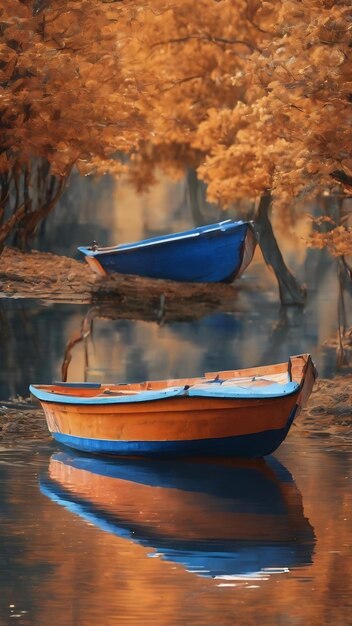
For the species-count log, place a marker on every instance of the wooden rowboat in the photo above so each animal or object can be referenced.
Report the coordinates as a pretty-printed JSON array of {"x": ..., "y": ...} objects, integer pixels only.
[
  {"x": 217, "y": 518},
  {"x": 213, "y": 253},
  {"x": 245, "y": 413}
]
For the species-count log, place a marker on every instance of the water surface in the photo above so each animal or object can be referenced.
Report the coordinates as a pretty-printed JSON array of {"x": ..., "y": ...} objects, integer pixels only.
[{"x": 87, "y": 541}]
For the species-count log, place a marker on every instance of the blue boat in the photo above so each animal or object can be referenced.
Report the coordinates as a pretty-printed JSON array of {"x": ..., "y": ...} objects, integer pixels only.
[
  {"x": 219, "y": 519},
  {"x": 208, "y": 254}
]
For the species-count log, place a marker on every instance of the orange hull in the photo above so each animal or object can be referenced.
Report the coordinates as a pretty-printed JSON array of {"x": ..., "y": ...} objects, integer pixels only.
[
  {"x": 158, "y": 415},
  {"x": 173, "y": 419}
]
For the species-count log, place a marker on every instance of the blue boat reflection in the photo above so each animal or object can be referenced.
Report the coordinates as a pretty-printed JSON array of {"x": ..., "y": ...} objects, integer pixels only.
[{"x": 222, "y": 518}]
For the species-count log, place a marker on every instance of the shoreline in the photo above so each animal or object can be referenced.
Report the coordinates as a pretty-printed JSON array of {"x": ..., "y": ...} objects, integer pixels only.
[{"x": 58, "y": 279}]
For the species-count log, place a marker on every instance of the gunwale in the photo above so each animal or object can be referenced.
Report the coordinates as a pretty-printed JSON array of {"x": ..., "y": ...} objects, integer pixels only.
[
  {"x": 260, "y": 382},
  {"x": 216, "y": 228}
]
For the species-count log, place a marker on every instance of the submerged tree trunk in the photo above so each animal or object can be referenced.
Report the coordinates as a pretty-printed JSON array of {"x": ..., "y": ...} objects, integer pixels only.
[{"x": 289, "y": 290}]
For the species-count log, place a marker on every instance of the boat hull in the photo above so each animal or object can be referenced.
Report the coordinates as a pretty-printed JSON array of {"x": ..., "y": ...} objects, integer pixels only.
[
  {"x": 217, "y": 253},
  {"x": 244, "y": 413},
  {"x": 181, "y": 427}
]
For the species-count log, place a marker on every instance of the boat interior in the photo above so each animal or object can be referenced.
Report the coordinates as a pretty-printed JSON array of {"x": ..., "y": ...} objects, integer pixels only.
[{"x": 281, "y": 373}]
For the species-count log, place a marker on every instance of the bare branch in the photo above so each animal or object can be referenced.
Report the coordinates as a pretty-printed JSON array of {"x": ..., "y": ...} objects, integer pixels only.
[
  {"x": 208, "y": 39},
  {"x": 182, "y": 80}
]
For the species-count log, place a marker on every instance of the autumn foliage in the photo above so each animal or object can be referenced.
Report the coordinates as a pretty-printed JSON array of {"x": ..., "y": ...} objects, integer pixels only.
[
  {"x": 65, "y": 99},
  {"x": 255, "y": 95}
]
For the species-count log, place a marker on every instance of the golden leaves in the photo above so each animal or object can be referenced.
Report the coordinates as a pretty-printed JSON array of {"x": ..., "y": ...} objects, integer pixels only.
[
  {"x": 305, "y": 105},
  {"x": 255, "y": 94},
  {"x": 338, "y": 241},
  {"x": 63, "y": 91}
]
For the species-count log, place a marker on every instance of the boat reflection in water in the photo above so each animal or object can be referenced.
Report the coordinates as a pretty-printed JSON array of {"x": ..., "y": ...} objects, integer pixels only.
[{"x": 222, "y": 518}]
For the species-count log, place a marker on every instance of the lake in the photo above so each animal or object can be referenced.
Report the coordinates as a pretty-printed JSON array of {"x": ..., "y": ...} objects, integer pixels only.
[{"x": 88, "y": 541}]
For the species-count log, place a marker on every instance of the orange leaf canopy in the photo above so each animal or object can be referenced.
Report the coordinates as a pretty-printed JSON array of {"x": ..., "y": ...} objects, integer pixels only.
[{"x": 64, "y": 93}]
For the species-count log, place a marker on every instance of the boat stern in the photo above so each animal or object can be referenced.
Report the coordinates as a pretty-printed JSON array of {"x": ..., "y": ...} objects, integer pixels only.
[{"x": 249, "y": 246}]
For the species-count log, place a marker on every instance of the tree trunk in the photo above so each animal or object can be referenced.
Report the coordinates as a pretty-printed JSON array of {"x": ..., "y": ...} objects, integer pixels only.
[
  {"x": 203, "y": 212},
  {"x": 10, "y": 225},
  {"x": 26, "y": 198},
  {"x": 192, "y": 185},
  {"x": 289, "y": 290}
]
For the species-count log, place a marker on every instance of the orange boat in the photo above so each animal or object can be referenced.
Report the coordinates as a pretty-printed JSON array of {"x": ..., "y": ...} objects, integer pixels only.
[
  {"x": 245, "y": 413},
  {"x": 219, "y": 518}
]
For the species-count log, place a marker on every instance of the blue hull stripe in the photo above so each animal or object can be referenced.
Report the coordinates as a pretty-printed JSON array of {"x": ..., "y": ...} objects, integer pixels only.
[{"x": 249, "y": 446}]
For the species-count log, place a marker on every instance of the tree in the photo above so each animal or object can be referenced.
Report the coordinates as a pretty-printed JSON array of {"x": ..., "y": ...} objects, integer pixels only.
[
  {"x": 65, "y": 100},
  {"x": 198, "y": 58},
  {"x": 256, "y": 96},
  {"x": 191, "y": 54},
  {"x": 295, "y": 129}
]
